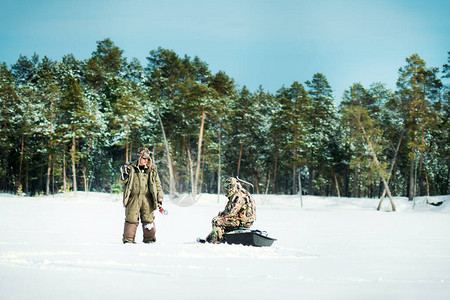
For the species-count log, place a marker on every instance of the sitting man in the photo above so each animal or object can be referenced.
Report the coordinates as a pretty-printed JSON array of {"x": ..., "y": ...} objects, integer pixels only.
[{"x": 240, "y": 211}]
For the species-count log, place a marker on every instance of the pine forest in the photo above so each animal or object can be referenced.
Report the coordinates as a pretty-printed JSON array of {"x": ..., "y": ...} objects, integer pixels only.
[{"x": 69, "y": 125}]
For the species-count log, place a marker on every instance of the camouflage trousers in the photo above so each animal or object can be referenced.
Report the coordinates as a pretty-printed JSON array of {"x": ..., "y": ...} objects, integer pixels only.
[{"x": 222, "y": 225}]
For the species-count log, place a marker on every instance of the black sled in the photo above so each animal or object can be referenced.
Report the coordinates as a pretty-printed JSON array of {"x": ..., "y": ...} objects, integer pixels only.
[{"x": 247, "y": 237}]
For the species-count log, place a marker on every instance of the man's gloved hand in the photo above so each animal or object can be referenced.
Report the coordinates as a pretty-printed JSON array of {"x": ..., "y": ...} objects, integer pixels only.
[
  {"x": 161, "y": 209},
  {"x": 125, "y": 171}
]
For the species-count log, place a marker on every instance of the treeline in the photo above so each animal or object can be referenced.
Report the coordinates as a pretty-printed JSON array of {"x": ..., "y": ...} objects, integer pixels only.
[{"x": 69, "y": 125}]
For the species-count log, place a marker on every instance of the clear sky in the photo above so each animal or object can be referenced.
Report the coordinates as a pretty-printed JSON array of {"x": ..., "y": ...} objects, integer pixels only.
[{"x": 257, "y": 42}]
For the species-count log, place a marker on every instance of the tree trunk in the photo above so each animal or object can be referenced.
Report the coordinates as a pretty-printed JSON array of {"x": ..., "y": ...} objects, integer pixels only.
[
  {"x": 386, "y": 186},
  {"x": 324, "y": 188},
  {"x": 21, "y": 162},
  {"x": 391, "y": 169},
  {"x": 49, "y": 171},
  {"x": 74, "y": 171},
  {"x": 200, "y": 180},
  {"x": 411, "y": 180},
  {"x": 428, "y": 186},
  {"x": 419, "y": 178},
  {"x": 26, "y": 177},
  {"x": 347, "y": 181},
  {"x": 294, "y": 176},
  {"x": 355, "y": 182},
  {"x": 268, "y": 184},
  {"x": 64, "y": 170},
  {"x": 274, "y": 189},
  {"x": 131, "y": 151},
  {"x": 53, "y": 177},
  {"x": 311, "y": 179},
  {"x": 447, "y": 190},
  {"x": 394, "y": 184},
  {"x": 220, "y": 169},
  {"x": 337, "y": 184},
  {"x": 191, "y": 173},
  {"x": 199, "y": 154},
  {"x": 300, "y": 188},
  {"x": 83, "y": 170},
  {"x": 239, "y": 160},
  {"x": 50, "y": 161},
  {"x": 126, "y": 144},
  {"x": 172, "y": 184},
  {"x": 256, "y": 182}
]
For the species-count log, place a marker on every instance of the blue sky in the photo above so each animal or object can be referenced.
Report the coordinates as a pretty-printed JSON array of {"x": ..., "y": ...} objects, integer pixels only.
[{"x": 257, "y": 42}]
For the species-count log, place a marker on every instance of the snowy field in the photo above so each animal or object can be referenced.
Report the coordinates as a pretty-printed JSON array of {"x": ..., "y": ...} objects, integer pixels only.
[{"x": 69, "y": 247}]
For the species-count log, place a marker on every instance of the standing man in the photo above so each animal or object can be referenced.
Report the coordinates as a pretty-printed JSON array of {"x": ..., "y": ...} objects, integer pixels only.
[
  {"x": 141, "y": 196},
  {"x": 240, "y": 211}
]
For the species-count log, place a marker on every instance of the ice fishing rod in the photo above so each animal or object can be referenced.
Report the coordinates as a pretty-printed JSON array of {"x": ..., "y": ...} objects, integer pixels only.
[
  {"x": 162, "y": 210},
  {"x": 124, "y": 168},
  {"x": 246, "y": 182}
]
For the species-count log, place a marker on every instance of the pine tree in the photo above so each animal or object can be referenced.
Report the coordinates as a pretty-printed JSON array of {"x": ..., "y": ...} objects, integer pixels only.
[
  {"x": 164, "y": 77},
  {"x": 418, "y": 87},
  {"x": 439, "y": 159},
  {"x": 72, "y": 108},
  {"x": 49, "y": 99},
  {"x": 295, "y": 107},
  {"x": 8, "y": 102},
  {"x": 105, "y": 62},
  {"x": 321, "y": 121},
  {"x": 129, "y": 112},
  {"x": 361, "y": 160}
]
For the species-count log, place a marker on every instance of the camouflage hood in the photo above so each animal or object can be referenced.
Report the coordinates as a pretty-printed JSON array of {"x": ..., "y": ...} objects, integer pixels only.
[{"x": 232, "y": 186}]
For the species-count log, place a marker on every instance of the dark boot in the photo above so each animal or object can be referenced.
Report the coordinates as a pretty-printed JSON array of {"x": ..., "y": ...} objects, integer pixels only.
[
  {"x": 216, "y": 236},
  {"x": 129, "y": 232},
  {"x": 149, "y": 232}
]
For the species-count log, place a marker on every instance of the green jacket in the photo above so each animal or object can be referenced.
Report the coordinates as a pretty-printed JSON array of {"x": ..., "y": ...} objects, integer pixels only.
[
  {"x": 155, "y": 193},
  {"x": 240, "y": 206}
]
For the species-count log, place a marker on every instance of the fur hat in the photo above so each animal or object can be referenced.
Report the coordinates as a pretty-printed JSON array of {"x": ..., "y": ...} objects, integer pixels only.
[{"x": 145, "y": 153}]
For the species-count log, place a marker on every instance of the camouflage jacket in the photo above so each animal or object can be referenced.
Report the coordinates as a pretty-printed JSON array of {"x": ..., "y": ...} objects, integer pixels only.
[{"x": 241, "y": 205}]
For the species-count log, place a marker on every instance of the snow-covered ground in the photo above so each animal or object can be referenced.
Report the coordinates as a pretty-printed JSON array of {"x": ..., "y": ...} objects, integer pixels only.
[{"x": 69, "y": 247}]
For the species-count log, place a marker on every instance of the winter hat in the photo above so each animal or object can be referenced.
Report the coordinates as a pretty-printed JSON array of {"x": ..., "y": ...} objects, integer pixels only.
[{"x": 144, "y": 153}]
